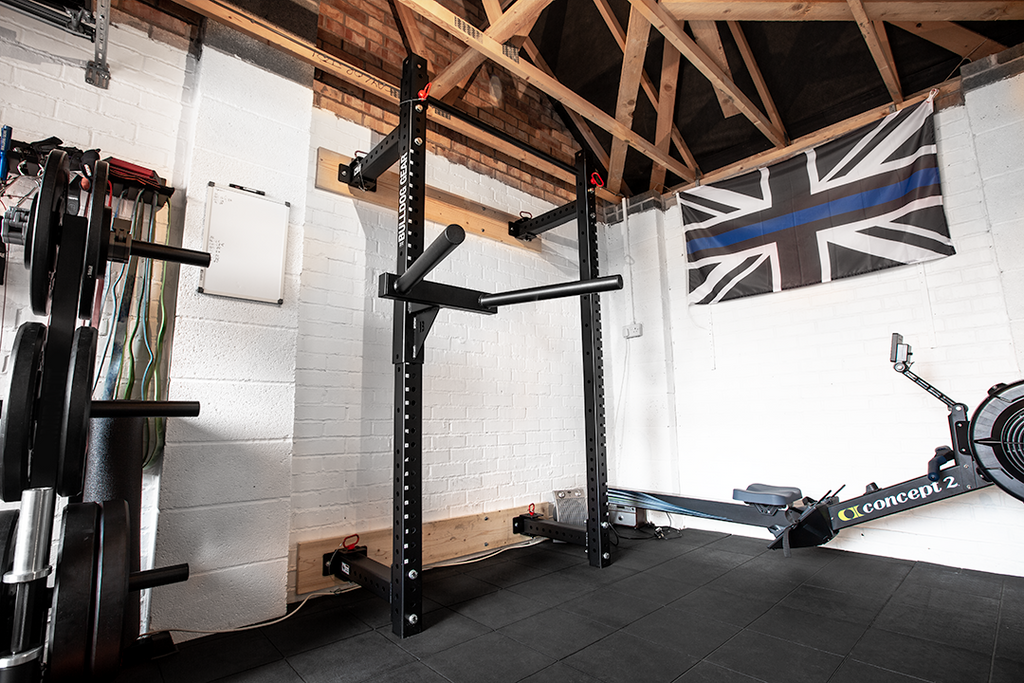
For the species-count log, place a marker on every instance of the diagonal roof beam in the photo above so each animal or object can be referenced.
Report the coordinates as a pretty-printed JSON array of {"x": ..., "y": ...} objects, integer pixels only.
[
  {"x": 666, "y": 111},
  {"x": 513, "y": 22},
  {"x": 755, "y": 73},
  {"x": 407, "y": 19},
  {"x": 837, "y": 10},
  {"x": 879, "y": 50},
  {"x": 629, "y": 83},
  {"x": 953, "y": 37},
  {"x": 619, "y": 34},
  {"x": 706, "y": 35},
  {"x": 673, "y": 32},
  {"x": 478, "y": 40}
]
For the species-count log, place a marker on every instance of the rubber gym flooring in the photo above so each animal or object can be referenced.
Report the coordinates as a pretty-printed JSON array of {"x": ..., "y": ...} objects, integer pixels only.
[{"x": 700, "y": 608}]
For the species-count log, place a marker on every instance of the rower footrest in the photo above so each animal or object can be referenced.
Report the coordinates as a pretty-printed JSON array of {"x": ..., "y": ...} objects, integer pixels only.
[{"x": 763, "y": 494}]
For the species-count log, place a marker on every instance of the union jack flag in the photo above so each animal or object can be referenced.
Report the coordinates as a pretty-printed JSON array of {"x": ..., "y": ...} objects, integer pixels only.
[{"x": 867, "y": 201}]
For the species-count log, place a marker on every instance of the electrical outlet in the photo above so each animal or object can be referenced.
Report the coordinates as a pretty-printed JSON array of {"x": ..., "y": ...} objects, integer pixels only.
[{"x": 632, "y": 330}]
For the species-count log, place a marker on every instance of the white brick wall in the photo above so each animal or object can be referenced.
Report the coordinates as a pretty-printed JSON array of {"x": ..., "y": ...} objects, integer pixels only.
[
  {"x": 225, "y": 494},
  {"x": 795, "y": 388},
  {"x": 503, "y": 406}
]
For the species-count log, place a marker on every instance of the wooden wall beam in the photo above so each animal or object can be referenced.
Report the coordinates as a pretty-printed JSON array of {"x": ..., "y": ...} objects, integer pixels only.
[{"x": 837, "y": 10}]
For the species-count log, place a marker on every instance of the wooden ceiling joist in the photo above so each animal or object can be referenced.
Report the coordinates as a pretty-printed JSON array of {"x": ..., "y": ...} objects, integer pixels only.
[
  {"x": 706, "y": 35},
  {"x": 673, "y": 32},
  {"x": 878, "y": 46},
  {"x": 612, "y": 22},
  {"x": 953, "y": 37},
  {"x": 629, "y": 85},
  {"x": 666, "y": 111},
  {"x": 755, "y": 74},
  {"x": 447, "y": 20},
  {"x": 417, "y": 43},
  {"x": 838, "y": 10}
]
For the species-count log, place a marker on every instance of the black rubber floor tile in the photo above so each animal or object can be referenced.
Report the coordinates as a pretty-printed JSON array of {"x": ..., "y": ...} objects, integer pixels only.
[
  {"x": 548, "y": 559},
  {"x": 648, "y": 585},
  {"x": 962, "y": 581},
  {"x": 858, "y": 608},
  {"x": 946, "y": 599},
  {"x": 637, "y": 561},
  {"x": 613, "y": 609},
  {"x": 360, "y": 658},
  {"x": 756, "y": 582},
  {"x": 1010, "y": 640},
  {"x": 278, "y": 672},
  {"x": 700, "y": 566},
  {"x": 706, "y": 672},
  {"x": 972, "y": 631},
  {"x": 667, "y": 548},
  {"x": 1007, "y": 671},
  {"x": 925, "y": 659},
  {"x": 417, "y": 672},
  {"x": 561, "y": 673},
  {"x": 813, "y": 630},
  {"x": 491, "y": 657},
  {"x": 774, "y": 660},
  {"x": 455, "y": 588},
  {"x": 597, "y": 576},
  {"x": 557, "y": 633},
  {"x": 864, "y": 574},
  {"x": 442, "y": 629},
  {"x": 744, "y": 545},
  {"x": 802, "y": 564},
  {"x": 333, "y": 602},
  {"x": 853, "y": 671},
  {"x": 374, "y": 612},
  {"x": 624, "y": 658},
  {"x": 551, "y": 589},
  {"x": 506, "y": 574},
  {"x": 711, "y": 603},
  {"x": 502, "y": 608},
  {"x": 677, "y": 630},
  {"x": 306, "y": 631},
  {"x": 212, "y": 657}
]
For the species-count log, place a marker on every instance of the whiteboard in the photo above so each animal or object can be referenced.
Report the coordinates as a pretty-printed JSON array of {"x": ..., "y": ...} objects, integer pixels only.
[{"x": 246, "y": 235}]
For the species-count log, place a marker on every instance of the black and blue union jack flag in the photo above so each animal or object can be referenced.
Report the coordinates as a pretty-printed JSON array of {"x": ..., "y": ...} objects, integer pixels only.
[{"x": 867, "y": 201}]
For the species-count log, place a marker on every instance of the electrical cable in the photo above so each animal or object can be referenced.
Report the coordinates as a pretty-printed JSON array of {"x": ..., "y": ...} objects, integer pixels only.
[{"x": 336, "y": 591}]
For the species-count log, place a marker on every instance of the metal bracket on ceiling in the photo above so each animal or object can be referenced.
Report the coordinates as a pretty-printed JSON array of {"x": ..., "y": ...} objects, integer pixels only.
[{"x": 97, "y": 72}]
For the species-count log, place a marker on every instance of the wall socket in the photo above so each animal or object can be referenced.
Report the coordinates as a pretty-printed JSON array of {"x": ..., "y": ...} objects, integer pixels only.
[{"x": 632, "y": 330}]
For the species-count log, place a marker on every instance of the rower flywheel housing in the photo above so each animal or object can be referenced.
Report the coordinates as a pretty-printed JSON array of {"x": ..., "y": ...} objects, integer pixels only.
[{"x": 997, "y": 437}]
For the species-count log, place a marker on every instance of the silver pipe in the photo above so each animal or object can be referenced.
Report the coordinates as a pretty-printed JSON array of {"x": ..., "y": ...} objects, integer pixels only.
[{"x": 32, "y": 544}]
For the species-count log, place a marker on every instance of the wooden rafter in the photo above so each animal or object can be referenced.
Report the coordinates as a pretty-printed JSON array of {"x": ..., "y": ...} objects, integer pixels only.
[
  {"x": 521, "y": 15},
  {"x": 674, "y": 34},
  {"x": 666, "y": 111},
  {"x": 755, "y": 74},
  {"x": 629, "y": 84},
  {"x": 417, "y": 43},
  {"x": 838, "y": 10},
  {"x": 612, "y": 22},
  {"x": 705, "y": 34},
  {"x": 878, "y": 46},
  {"x": 444, "y": 18},
  {"x": 953, "y": 37}
]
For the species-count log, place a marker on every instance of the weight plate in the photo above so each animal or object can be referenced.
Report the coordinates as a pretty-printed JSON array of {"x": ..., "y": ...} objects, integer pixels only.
[
  {"x": 997, "y": 437},
  {"x": 70, "y": 639},
  {"x": 113, "y": 568},
  {"x": 8, "y": 531},
  {"x": 98, "y": 228},
  {"x": 49, "y": 213},
  {"x": 17, "y": 426},
  {"x": 74, "y": 442}
]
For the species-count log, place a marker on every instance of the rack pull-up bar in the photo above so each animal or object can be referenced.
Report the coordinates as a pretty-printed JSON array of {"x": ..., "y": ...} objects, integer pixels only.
[
  {"x": 578, "y": 288},
  {"x": 444, "y": 244}
]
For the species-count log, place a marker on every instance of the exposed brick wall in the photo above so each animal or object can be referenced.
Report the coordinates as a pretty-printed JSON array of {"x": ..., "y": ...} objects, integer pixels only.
[
  {"x": 161, "y": 20},
  {"x": 365, "y": 34}
]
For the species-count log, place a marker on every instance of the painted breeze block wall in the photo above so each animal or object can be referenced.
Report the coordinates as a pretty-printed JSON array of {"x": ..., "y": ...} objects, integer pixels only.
[{"x": 795, "y": 388}]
